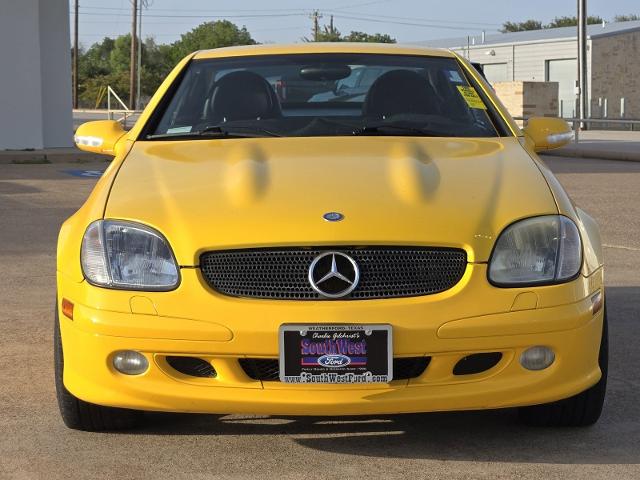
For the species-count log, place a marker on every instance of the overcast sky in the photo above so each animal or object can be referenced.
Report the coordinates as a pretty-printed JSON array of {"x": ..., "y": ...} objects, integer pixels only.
[{"x": 288, "y": 20}]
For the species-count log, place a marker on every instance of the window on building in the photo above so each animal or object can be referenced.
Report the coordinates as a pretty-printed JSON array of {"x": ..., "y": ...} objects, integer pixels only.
[
  {"x": 565, "y": 72},
  {"x": 496, "y": 72}
]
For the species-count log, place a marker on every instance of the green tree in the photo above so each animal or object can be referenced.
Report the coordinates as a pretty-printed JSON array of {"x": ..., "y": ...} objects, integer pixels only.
[
  {"x": 95, "y": 61},
  {"x": 572, "y": 21},
  {"x": 157, "y": 62},
  {"x": 221, "y": 33},
  {"x": 95, "y": 72},
  {"x": 158, "y": 57},
  {"x": 626, "y": 18},
  {"x": 555, "y": 23},
  {"x": 120, "y": 56},
  {"x": 371, "y": 38},
  {"x": 107, "y": 63},
  {"x": 521, "y": 26},
  {"x": 329, "y": 33}
]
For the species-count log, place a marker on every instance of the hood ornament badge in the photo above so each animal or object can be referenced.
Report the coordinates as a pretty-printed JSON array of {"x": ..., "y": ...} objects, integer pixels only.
[{"x": 333, "y": 216}]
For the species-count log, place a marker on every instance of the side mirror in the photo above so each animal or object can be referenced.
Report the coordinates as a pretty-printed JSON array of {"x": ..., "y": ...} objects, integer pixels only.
[
  {"x": 548, "y": 133},
  {"x": 99, "y": 137}
]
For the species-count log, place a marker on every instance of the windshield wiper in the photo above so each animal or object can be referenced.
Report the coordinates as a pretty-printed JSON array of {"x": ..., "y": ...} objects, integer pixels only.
[
  {"x": 257, "y": 131},
  {"x": 380, "y": 130},
  {"x": 217, "y": 131}
]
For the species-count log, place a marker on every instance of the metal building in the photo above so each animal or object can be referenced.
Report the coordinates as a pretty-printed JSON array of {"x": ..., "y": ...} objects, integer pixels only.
[{"x": 613, "y": 63}]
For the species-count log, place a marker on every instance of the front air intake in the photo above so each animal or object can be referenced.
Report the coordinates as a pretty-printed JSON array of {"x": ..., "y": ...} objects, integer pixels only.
[
  {"x": 268, "y": 370},
  {"x": 477, "y": 363},
  {"x": 192, "y": 366}
]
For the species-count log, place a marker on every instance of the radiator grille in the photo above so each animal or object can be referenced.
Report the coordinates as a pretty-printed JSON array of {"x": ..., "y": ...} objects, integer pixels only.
[{"x": 282, "y": 273}]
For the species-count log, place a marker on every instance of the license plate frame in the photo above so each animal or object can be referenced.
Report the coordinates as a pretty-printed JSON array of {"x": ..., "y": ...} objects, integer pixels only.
[{"x": 353, "y": 354}]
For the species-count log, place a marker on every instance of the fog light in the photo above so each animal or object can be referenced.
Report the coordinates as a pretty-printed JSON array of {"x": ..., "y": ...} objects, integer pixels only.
[
  {"x": 130, "y": 362},
  {"x": 537, "y": 358}
]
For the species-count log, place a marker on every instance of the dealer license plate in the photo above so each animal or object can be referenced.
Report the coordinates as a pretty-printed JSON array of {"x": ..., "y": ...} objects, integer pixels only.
[{"x": 336, "y": 354}]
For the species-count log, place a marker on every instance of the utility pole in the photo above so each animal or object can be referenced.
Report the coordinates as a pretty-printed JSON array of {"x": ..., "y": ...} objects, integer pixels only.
[
  {"x": 331, "y": 26},
  {"x": 315, "y": 16},
  {"x": 134, "y": 51},
  {"x": 139, "y": 66},
  {"x": 583, "y": 100},
  {"x": 75, "y": 56}
]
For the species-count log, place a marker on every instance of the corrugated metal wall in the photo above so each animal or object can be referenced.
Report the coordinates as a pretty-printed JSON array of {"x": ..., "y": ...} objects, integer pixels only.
[{"x": 525, "y": 61}]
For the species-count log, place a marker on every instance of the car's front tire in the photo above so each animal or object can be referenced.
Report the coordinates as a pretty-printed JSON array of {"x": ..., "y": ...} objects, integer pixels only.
[
  {"x": 78, "y": 414},
  {"x": 581, "y": 410}
]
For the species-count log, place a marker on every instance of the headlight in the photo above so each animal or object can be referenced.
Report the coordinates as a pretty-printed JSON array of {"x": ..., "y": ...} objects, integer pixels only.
[
  {"x": 538, "y": 250},
  {"x": 129, "y": 256}
]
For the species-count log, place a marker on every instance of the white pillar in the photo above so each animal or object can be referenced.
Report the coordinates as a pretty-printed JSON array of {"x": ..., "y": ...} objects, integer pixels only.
[{"x": 35, "y": 84}]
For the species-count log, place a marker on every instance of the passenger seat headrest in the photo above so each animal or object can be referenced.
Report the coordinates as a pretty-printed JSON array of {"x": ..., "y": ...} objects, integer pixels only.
[
  {"x": 243, "y": 95},
  {"x": 400, "y": 92}
]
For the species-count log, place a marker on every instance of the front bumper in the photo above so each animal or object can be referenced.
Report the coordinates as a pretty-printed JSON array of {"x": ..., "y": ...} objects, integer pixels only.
[{"x": 230, "y": 329}]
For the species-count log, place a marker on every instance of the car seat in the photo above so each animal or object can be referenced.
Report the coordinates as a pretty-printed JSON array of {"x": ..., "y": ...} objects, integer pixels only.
[
  {"x": 242, "y": 95},
  {"x": 400, "y": 92}
]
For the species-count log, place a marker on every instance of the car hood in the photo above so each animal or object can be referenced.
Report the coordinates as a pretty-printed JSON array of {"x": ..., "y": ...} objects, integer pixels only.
[{"x": 242, "y": 193}]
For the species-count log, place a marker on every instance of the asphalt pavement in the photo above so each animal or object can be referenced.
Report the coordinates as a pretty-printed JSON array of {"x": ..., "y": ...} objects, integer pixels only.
[
  {"x": 609, "y": 144},
  {"x": 35, "y": 199}
]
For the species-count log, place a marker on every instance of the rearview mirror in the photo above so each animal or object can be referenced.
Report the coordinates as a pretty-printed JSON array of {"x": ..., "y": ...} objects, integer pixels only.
[
  {"x": 325, "y": 72},
  {"x": 99, "y": 137},
  {"x": 548, "y": 133}
]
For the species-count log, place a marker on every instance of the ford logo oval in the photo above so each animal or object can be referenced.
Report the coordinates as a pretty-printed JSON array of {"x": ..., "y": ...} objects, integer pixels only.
[{"x": 334, "y": 361}]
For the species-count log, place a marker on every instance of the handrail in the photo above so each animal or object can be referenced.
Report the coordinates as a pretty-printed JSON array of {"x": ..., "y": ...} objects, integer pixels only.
[
  {"x": 592, "y": 120},
  {"x": 110, "y": 92},
  {"x": 126, "y": 111},
  {"x": 576, "y": 122}
]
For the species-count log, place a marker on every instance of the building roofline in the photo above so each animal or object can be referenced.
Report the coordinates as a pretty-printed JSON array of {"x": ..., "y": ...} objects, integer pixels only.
[{"x": 537, "y": 36}]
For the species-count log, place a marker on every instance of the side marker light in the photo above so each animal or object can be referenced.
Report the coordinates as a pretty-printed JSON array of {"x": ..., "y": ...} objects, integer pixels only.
[{"x": 67, "y": 308}]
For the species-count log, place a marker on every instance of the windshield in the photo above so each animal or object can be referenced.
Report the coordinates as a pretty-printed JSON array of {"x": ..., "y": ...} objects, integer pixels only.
[{"x": 322, "y": 95}]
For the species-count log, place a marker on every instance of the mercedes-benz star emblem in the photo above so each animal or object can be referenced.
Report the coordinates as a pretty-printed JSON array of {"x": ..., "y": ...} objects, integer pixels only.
[
  {"x": 334, "y": 274},
  {"x": 333, "y": 216}
]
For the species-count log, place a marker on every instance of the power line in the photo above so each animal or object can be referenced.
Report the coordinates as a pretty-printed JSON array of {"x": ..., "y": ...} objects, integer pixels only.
[
  {"x": 199, "y": 10},
  {"x": 203, "y": 16},
  {"x": 419, "y": 22},
  {"x": 439, "y": 20},
  {"x": 358, "y": 5},
  {"x": 218, "y": 10},
  {"x": 315, "y": 16},
  {"x": 273, "y": 29},
  {"x": 412, "y": 24},
  {"x": 388, "y": 20},
  {"x": 110, "y": 35}
]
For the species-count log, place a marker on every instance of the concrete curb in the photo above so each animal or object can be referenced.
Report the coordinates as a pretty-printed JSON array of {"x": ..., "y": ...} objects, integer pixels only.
[
  {"x": 55, "y": 155},
  {"x": 594, "y": 154}
]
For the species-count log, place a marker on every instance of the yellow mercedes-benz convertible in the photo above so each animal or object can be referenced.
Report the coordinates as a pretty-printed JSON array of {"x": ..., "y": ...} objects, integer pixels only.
[{"x": 328, "y": 229}]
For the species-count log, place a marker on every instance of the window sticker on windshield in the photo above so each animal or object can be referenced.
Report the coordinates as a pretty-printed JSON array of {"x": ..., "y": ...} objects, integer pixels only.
[
  {"x": 471, "y": 97},
  {"x": 179, "y": 129}
]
